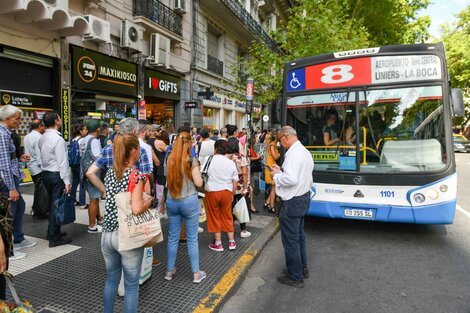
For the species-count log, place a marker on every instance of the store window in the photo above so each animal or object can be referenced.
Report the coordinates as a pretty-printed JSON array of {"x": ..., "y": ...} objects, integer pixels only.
[
  {"x": 210, "y": 118},
  {"x": 161, "y": 113}
]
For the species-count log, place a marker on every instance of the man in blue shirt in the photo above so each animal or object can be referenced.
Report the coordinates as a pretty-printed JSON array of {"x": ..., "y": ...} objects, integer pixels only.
[
  {"x": 10, "y": 118},
  {"x": 128, "y": 125}
]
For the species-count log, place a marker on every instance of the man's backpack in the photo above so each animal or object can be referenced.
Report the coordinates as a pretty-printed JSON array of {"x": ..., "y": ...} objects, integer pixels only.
[{"x": 74, "y": 154}]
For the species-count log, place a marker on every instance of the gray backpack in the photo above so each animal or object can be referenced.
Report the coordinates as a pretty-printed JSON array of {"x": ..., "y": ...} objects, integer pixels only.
[{"x": 87, "y": 159}]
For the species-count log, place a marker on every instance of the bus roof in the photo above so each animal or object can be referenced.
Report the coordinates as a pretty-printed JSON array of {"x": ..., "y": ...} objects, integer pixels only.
[
  {"x": 365, "y": 67},
  {"x": 395, "y": 49}
]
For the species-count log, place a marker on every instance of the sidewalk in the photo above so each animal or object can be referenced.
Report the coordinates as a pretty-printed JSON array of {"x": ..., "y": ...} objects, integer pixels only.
[{"x": 71, "y": 278}]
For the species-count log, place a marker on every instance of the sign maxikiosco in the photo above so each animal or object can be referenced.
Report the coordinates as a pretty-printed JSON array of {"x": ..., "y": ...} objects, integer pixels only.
[
  {"x": 99, "y": 72},
  {"x": 161, "y": 85}
]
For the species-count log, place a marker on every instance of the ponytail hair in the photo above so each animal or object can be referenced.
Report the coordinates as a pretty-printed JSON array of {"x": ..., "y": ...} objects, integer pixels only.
[
  {"x": 178, "y": 162},
  {"x": 122, "y": 149}
]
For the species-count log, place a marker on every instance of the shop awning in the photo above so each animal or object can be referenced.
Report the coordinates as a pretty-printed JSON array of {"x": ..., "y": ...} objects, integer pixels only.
[{"x": 48, "y": 18}]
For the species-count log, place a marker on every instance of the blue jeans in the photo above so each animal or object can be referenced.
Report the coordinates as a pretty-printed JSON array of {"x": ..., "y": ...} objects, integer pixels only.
[
  {"x": 17, "y": 211},
  {"x": 55, "y": 188},
  {"x": 75, "y": 182},
  {"x": 291, "y": 218},
  {"x": 116, "y": 261},
  {"x": 187, "y": 208}
]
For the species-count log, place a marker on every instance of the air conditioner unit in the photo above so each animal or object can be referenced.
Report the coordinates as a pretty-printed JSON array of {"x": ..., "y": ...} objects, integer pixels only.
[
  {"x": 57, "y": 4},
  {"x": 131, "y": 36},
  {"x": 98, "y": 29},
  {"x": 159, "y": 50},
  {"x": 180, "y": 6}
]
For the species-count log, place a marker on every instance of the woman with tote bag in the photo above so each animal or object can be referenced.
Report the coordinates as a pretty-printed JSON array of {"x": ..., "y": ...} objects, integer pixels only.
[
  {"x": 182, "y": 203},
  {"x": 126, "y": 152}
]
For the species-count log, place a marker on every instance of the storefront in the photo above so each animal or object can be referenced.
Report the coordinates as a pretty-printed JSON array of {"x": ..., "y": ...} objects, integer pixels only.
[
  {"x": 221, "y": 110},
  {"x": 103, "y": 87},
  {"x": 29, "y": 82},
  {"x": 162, "y": 93}
]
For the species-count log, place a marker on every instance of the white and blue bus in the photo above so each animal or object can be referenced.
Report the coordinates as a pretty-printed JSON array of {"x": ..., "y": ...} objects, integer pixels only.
[{"x": 378, "y": 123}]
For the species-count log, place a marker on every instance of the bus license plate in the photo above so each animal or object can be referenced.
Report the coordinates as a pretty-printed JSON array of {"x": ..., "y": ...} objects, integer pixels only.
[{"x": 359, "y": 213}]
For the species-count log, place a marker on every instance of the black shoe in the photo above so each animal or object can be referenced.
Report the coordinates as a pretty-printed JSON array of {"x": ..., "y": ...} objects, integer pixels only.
[
  {"x": 285, "y": 273},
  {"x": 287, "y": 281},
  {"x": 62, "y": 234},
  {"x": 60, "y": 242}
]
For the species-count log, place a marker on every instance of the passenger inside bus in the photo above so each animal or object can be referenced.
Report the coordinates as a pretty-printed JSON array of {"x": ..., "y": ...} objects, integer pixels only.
[{"x": 330, "y": 137}]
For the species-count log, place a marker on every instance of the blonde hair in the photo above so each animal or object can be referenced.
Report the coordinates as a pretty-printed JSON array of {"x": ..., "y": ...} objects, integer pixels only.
[{"x": 122, "y": 149}]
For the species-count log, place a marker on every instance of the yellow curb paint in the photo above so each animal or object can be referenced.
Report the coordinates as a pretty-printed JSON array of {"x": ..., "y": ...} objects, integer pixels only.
[{"x": 209, "y": 303}]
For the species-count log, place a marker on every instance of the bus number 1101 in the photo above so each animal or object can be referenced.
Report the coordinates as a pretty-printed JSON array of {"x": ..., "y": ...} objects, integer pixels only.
[{"x": 387, "y": 194}]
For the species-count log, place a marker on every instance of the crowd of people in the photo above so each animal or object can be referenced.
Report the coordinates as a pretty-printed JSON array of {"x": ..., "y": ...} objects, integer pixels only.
[{"x": 99, "y": 162}]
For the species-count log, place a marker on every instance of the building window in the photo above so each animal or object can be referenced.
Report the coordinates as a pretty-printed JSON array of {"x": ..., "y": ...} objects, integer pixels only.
[{"x": 215, "y": 51}]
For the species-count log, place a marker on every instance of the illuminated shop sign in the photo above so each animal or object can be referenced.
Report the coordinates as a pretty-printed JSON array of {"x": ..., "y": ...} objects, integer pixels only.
[
  {"x": 98, "y": 72},
  {"x": 161, "y": 85},
  {"x": 25, "y": 100}
]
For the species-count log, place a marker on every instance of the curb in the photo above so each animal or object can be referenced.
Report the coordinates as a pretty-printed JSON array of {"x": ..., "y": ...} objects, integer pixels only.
[{"x": 230, "y": 282}]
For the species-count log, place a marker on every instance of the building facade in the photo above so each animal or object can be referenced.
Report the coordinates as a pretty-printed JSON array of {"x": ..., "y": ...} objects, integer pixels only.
[{"x": 167, "y": 61}]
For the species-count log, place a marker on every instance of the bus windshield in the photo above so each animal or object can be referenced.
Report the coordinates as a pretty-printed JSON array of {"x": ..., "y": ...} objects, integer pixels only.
[{"x": 386, "y": 130}]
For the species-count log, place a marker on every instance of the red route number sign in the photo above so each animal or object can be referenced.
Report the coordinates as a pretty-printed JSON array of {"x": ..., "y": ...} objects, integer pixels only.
[{"x": 338, "y": 74}]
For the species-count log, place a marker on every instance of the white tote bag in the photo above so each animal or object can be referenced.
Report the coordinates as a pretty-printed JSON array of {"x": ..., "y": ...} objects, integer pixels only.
[
  {"x": 140, "y": 230},
  {"x": 241, "y": 211}
]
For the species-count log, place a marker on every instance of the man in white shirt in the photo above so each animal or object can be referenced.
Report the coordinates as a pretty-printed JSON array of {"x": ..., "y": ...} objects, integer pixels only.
[
  {"x": 32, "y": 149},
  {"x": 293, "y": 182},
  {"x": 90, "y": 150},
  {"x": 55, "y": 172}
]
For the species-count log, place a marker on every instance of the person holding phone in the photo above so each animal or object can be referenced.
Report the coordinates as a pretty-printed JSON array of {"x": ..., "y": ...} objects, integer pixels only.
[{"x": 293, "y": 182}]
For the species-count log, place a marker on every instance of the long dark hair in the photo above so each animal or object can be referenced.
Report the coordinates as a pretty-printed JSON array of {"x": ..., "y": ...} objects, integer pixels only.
[{"x": 76, "y": 129}]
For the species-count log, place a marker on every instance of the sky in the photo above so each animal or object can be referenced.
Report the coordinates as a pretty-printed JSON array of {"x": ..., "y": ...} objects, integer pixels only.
[{"x": 442, "y": 11}]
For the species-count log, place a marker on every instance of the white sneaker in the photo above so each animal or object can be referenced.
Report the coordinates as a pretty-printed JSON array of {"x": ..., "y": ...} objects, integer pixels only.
[
  {"x": 200, "y": 230},
  {"x": 96, "y": 230},
  {"x": 17, "y": 255},
  {"x": 245, "y": 234},
  {"x": 24, "y": 244}
]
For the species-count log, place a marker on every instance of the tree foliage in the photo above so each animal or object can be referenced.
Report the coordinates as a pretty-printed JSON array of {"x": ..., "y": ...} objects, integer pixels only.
[
  {"x": 456, "y": 38},
  {"x": 321, "y": 26}
]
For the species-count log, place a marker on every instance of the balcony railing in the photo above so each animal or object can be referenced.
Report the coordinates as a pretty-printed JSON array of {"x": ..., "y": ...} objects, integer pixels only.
[
  {"x": 215, "y": 65},
  {"x": 246, "y": 19},
  {"x": 159, "y": 13}
]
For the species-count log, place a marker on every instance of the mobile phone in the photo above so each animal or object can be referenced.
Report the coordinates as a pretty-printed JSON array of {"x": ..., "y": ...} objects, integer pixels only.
[{"x": 269, "y": 168}]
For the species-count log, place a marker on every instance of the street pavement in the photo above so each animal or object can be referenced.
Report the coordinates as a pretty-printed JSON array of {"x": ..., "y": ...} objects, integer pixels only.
[
  {"x": 361, "y": 266},
  {"x": 70, "y": 278}
]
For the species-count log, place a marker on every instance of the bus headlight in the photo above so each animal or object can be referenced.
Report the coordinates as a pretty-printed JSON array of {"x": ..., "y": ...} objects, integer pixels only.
[
  {"x": 432, "y": 194},
  {"x": 419, "y": 198},
  {"x": 443, "y": 188}
]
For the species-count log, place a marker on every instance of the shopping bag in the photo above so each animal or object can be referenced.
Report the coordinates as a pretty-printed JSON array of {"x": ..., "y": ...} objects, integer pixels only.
[
  {"x": 20, "y": 305},
  {"x": 41, "y": 205},
  {"x": 202, "y": 211},
  {"x": 159, "y": 194},
  {"x": 145, "y": 271},
  {"x": 240, "y": 210},
  {"x": 64, "y": 210},
  {"x": 136, "y": 230}
]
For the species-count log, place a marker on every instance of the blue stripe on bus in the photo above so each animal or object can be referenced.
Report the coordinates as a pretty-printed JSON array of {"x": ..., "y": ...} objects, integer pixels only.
[{"x": 441, "y": 213}]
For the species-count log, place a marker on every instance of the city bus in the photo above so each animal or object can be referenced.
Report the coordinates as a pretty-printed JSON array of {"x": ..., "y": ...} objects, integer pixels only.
[{"x": 378, "y": 123}]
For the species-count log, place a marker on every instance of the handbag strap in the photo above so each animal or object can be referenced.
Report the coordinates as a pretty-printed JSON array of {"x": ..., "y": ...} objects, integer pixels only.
[
  {"x": 14, "y": 293},
  {"x": 206, "y": 166},
  {"x": 133, "y": 178}
]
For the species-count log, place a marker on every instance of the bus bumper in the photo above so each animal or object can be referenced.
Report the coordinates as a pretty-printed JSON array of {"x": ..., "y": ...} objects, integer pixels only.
[{"x": 440, "y": 213}]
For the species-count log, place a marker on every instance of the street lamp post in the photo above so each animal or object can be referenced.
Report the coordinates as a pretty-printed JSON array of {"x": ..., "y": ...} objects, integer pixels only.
[{"x": 249, "y": 101}]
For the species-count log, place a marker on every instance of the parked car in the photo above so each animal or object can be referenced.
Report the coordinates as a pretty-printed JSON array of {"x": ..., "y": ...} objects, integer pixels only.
[{"x": 461, "y": 144}]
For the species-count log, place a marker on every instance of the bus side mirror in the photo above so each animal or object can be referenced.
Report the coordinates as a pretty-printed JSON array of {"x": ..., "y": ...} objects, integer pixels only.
[{"x": 457, "y": 102}]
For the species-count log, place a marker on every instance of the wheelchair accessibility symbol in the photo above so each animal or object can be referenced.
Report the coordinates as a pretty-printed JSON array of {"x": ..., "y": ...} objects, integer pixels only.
[{"x": 294, "y": 82}]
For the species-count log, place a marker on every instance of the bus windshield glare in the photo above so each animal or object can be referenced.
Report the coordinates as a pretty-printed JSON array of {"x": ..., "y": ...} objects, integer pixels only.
[{"x": 386, "y": 130}]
